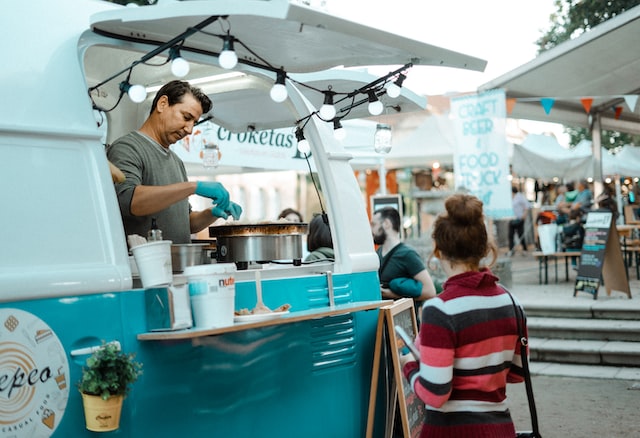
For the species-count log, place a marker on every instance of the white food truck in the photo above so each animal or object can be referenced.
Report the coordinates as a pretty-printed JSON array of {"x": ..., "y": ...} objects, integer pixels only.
[{"x": 66, "y": 279}]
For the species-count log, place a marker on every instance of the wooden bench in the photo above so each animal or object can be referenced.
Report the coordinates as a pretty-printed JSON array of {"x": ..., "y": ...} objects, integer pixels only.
[{"x": 543, "y": 263}]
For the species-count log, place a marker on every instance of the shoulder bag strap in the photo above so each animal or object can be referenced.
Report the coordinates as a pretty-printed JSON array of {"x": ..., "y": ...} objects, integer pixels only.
[
  {"x": 386, "y": 258},
  {"x": 525, "y": 365}
]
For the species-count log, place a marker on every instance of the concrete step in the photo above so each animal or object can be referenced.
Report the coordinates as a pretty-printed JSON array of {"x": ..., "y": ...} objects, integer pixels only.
[
  {"x": 571, "y": 308},
  {"x": 584, "y": 329},
  {"x": 626, "y": 354}
]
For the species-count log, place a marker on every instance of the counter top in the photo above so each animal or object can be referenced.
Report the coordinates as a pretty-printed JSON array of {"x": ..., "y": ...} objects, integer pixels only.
[{"x": 288, "y": 318}]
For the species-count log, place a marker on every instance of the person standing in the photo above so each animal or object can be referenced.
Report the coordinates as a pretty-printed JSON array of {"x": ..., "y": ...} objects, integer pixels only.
[
  {"x": 291, "y": 215},
  {"x": 156, "y": 184},
  {"x": 402, "y": 272},
  {"x": 468, "y": 339},
  {"x": 319, "y": 240},
  {"x": 516, "y": 226}
]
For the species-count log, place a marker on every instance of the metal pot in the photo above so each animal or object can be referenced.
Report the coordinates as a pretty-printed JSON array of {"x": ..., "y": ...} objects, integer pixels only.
[
  {"x": 188, "y": 254},
  {"x": 242, "y": 244}
]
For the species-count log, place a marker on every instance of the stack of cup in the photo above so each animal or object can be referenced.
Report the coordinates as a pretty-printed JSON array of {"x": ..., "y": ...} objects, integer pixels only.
[
  {"x": 212, "y": 291},
  {"x": 153, "y": 260}
]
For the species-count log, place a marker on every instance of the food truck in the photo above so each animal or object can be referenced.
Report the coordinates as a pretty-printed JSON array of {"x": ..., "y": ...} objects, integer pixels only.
[{"x": 67, "y": 283}]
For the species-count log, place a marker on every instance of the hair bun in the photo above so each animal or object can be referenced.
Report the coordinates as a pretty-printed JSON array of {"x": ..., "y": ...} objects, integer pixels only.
[{"x": 464, "y": 209}]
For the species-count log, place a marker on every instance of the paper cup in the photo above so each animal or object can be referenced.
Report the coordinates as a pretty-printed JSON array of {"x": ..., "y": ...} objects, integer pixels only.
[
  {"x": 213, "y": 309},
  {"x": 154, "y": 263}
]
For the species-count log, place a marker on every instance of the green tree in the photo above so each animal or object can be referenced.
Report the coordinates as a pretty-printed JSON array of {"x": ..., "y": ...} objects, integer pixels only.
[{"x": 571, "y": 19}]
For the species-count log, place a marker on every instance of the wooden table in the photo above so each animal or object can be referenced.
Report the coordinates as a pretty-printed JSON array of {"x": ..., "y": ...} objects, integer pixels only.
[{"x": 543, "y": 263}]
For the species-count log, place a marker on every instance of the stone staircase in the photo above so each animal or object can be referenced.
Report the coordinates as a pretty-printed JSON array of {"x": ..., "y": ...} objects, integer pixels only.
[{"x": 588, "y": 335}]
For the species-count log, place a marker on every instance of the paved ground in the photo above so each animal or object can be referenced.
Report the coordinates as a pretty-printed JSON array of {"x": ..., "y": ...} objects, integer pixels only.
[{"x": 576, "y": 400}]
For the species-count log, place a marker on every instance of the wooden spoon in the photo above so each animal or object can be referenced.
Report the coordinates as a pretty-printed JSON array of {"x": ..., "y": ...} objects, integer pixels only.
[{"x": 260, "y": 307}]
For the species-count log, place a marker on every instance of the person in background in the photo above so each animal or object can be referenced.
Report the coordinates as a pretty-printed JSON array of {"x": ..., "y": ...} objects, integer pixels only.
[
  {"x": 402, "y": 272},
  {"x": 579, "y": 199},
  {"x": 520, "y": 210},
  {"x": 156, "y": 183},
  {"x": 319, "y": 241},
  {"x": 560, "y": 202},
  {"x": 291, "y": 215},
  {"x": 468, "y": 337},
  {"x": 584, "y": 198}
]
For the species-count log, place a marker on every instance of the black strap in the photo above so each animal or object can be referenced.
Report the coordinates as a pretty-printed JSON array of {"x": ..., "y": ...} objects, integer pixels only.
[
  {"x": 386, "y": 258},
  {"x": 525, "y": 365}
]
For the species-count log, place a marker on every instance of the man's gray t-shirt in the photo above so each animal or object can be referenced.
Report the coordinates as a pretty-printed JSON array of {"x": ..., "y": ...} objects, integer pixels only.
[{"x": 145, "y": 162}]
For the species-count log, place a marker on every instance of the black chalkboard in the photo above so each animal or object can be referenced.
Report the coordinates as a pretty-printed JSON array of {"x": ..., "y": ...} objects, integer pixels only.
[{"x": 601, "y": 256}]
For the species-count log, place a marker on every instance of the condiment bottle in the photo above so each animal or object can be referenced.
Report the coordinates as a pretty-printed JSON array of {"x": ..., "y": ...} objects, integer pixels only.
[{"x": 154, "y": 233}]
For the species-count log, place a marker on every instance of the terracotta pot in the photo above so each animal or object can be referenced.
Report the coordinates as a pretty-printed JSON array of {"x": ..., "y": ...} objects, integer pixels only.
[{"x": 102, "y": 415}]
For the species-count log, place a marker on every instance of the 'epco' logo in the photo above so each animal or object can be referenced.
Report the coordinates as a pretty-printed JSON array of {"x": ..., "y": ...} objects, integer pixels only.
[{"x": 34, "y": 374}]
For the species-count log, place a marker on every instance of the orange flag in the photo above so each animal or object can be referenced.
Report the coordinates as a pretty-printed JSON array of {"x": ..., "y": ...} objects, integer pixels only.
[
  {"x": 511, "y": 102},
  {"x": 618, "y": 110},
  {"x": 586, "y": 103}
]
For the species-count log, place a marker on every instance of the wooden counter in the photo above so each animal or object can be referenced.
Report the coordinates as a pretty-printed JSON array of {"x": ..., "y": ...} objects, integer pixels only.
[{"x": 288, "y": 318}]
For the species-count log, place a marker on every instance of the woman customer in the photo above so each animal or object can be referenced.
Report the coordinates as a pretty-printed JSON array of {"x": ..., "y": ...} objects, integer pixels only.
[
  {"x": 319, "y": 241},
  {"x": 468, "y": 338}
]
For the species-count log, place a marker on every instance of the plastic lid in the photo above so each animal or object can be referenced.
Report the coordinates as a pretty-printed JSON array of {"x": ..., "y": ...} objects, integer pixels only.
[{"x": 211, "y": 269}]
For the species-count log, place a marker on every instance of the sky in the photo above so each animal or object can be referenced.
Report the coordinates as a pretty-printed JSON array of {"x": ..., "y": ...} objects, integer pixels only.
[{"x": 503, "y": 32}]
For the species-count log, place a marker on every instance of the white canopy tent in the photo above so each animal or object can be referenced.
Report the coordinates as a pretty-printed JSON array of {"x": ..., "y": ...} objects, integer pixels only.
[{"x": 541, "y": 156}]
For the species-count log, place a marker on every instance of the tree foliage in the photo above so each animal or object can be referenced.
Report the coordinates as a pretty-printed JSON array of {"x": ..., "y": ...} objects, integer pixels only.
[{"x": 571, "y": 19}]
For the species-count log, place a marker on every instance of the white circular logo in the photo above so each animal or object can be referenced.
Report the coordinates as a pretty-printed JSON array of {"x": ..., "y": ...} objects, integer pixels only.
[{"x": 34, "y": 376}]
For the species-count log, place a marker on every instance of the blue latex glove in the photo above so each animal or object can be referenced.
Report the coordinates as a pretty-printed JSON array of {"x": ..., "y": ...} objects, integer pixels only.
[
  {"x": 234, "y": 210},
  {"x": 214, "y": 191},
  {"x": 407, "y": 287}
]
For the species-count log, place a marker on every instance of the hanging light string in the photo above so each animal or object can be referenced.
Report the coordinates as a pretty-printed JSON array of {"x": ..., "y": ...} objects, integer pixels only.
[{"x": 332, "y": 98}]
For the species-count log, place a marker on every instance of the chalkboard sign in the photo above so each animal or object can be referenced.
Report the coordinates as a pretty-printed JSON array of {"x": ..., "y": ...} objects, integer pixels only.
[
  {"x": 601, "y": 257},
  {"x": 411, "y": 408}
]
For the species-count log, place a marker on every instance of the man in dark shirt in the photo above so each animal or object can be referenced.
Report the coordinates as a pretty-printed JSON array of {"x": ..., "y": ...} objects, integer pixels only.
[{"x": 402, "y": 272}]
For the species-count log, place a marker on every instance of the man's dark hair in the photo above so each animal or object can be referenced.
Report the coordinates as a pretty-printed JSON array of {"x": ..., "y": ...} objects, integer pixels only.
[
  {"x": 391, "y": 214},
  {"x": 175, "y": 90}
]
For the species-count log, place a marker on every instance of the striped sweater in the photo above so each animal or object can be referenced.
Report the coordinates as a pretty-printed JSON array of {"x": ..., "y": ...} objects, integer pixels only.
[{"x": 469, "y": 350}]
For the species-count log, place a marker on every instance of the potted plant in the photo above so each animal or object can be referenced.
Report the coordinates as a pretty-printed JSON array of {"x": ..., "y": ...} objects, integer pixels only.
[{"x": 106, "y": 380}]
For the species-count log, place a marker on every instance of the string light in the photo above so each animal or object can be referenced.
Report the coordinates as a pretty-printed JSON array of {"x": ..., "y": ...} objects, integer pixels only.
[
  {"x": 327, "y": 110},
  {"x": 179, "y": 65},
  {"x": 303, "y": 144},
  {"x": 137, "y": 93},
  {"x": 279, "y": 92},
  {"x": 394, "y": 88},
  {"x": 228, "y": 58},
  {"x": 338, "y": 131},
  {"x": 375, "y": 106}
]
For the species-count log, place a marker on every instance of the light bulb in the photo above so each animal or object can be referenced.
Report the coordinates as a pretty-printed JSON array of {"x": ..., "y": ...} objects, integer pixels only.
[
  {"x": 279, "y": 93},
  {"x": 180, "y": 67},
  {"x": 304, "y": 147},
  {"x": 228, "y": 58},
  {"x": 339, "y": 133},
  {"x": 327, "y": 112},
  {"x": 375, "y": 106},
  {"x": 137, "y": 93},
  {"x": 393, "y": 90},
  {"x": 303, "y": 144}
]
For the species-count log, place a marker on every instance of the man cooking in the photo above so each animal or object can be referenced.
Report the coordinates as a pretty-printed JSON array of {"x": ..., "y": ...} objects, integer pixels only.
[{"x": 156, "y": 184}]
